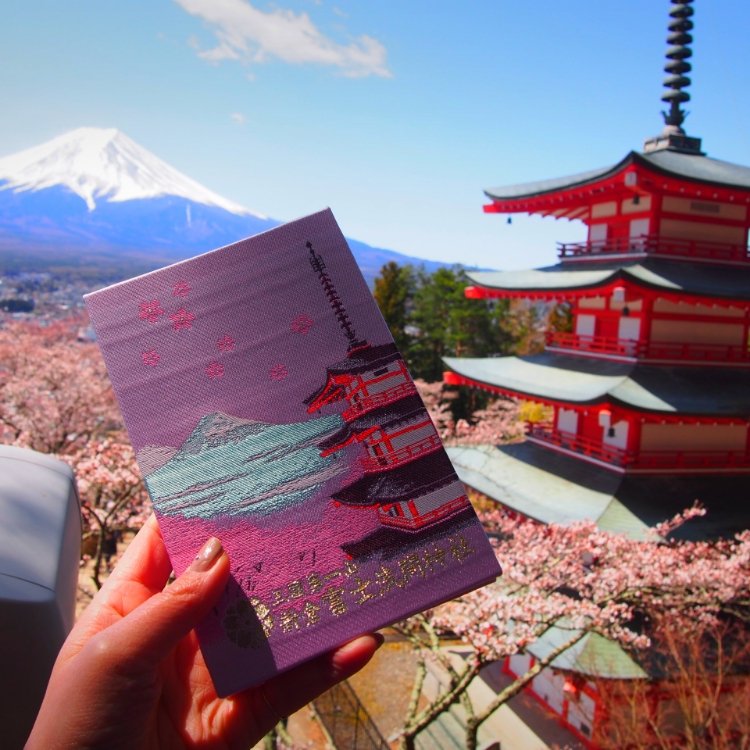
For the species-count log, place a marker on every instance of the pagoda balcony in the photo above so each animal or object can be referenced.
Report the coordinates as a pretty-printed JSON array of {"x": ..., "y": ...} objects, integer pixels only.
[
  {"x": 655, "y": 246},
  {"x": 545, "y": 434},
  {"x": 378, "y": 400},
  {"x": 645, "y": 461},
  {"x": 402, "y": 456},
  {"x": 647, "y": 350}
]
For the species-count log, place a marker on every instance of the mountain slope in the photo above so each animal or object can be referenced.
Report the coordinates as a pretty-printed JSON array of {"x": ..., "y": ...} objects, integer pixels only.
[{"x": 95, "y": 196}]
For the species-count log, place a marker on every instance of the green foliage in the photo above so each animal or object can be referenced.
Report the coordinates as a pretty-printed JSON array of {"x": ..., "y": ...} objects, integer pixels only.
[
  {"x": 393, "y": 291},
  {"x": 430, "y": 318}
]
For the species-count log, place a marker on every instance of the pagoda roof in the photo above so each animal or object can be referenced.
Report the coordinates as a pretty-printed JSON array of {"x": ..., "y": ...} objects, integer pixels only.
[
  {"x": 582, "y": 380},
  {"x": 667, "y": 275},
  {"x": 424, "y": 474},
  {"x": 555, "y": 488},
  {"x": 403, "y": 410},
  {"x": 359, "y": 360},
  {"x": 684, "y": 166}
]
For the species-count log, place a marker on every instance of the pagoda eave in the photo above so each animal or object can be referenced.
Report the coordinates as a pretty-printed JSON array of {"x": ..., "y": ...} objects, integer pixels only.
[
  {"x": 555, "y": 488},
  {"x": 568, "y": 381},
  {"x": 690, "y": 176}
]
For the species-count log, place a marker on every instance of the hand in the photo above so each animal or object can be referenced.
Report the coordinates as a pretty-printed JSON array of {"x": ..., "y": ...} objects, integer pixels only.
[{"x": 131, "y": 675}]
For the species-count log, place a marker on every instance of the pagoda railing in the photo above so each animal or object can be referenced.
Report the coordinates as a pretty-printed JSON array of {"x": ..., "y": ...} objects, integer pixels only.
[
  {"x": 648, "y": 350},
  {"x": 643, "y": 461},
  {"x": 655, "y": 245},
  {"x": 379, "y": 400},
  {"x": 595, "y": 449},
  {"x": 404, "y": 455}
]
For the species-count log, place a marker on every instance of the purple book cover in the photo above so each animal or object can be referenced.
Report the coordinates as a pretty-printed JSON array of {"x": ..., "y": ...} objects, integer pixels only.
[{"x": 269, "y": 406}]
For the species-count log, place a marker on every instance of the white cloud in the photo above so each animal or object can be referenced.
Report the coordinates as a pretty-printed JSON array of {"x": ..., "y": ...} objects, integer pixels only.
[
  {"x": 246, "y": 34},
  {"x": 238, "y": 118}
]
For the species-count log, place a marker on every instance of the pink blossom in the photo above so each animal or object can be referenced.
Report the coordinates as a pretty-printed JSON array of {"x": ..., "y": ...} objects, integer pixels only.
[
  {"x": 182, "y": 319},
  {"x": 150, "y": 311}
]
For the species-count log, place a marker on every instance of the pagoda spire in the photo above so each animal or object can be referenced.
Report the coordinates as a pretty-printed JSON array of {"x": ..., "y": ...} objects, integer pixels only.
[
  {"x": 337, "y": 305},
  {"x": 679, "y": 40}
]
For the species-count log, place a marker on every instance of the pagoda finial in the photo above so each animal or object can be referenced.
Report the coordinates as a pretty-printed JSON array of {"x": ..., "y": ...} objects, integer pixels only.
[
  {"x": 319, "y": 266},
  {"x": 678, "y": 53},
  {"x": 679, "y": 39}
]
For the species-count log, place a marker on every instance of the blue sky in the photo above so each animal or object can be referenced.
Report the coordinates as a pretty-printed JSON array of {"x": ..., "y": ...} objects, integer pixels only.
[{"x": 394, "y": 114}]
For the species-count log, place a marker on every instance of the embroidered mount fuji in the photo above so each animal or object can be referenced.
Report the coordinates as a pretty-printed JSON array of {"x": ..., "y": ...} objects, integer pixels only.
[{"x": 269, "y": 406}]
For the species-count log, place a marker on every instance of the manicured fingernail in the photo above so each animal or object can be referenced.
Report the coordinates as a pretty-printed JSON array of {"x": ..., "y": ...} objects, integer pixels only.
[{"x": 209, "y": 554}]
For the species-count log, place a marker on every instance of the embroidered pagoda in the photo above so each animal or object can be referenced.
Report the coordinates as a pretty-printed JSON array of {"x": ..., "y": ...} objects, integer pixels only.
[
  {"x": 405, "y": 474},
  {"x": 650, "y": 390}
]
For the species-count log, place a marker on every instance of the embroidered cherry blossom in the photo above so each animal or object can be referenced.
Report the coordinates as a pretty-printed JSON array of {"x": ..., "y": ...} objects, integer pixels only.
[
  {"x": 226, "y": 343},
  {"x": 181, "y": 289},
  {"x": 182, "y": 319},
  {"x": 302, "y": 324},
  {"x": 278, "y": 372},
  {"x": 150, "y": 358},
  {"x": 215, "y": 370},
  {"x": 150, "y": 311}
]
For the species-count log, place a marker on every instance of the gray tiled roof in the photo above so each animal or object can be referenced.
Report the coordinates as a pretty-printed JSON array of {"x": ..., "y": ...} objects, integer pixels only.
[
  {"x": 670, "y": 275},
  {"x": 555, "y": 488},
  {"x": 583, "y": 380},
  {"x": 674, "y": 163}
]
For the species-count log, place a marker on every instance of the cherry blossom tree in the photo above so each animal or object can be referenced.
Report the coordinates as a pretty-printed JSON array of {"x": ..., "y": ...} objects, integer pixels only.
[
  {"x": 54, "y": 390},
  {"x": 579, "y": 580},
  {"x": 55, "y": 397},
  {"x": 113, "y": 499},
  {"x": 498, "y": 422},
  {"x": 700, "y": 699}
]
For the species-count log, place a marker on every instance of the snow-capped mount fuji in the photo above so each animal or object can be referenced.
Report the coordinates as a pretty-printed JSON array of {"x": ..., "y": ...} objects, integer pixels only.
[
  {"x": 93, "y": 196},
  {"x": 104, "y": 164}
]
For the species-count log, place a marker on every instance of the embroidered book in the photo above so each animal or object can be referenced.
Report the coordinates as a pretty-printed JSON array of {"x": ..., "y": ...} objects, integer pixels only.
[{"x": 269, "y": 406}]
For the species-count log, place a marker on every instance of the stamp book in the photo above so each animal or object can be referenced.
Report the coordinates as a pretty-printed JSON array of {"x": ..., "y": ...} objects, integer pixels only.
[{"x": 269, "y": 406}]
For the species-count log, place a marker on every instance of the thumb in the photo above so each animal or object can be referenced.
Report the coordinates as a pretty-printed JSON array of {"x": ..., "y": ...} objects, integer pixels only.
[{"x": 146, "y": 636}]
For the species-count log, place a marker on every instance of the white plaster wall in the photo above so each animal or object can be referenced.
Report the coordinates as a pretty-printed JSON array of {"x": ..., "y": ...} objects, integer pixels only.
[
  {"x": 567, "y": 421},
  {"x": 585, "y": 325},
  {"x": 694, "y": 332},
  {"x": 620, "y": 438},
  {"x": 675, "y": 437}
]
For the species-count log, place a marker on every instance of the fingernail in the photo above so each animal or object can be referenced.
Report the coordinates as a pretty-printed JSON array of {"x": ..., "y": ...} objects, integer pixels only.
[{"x": 209, "y": 554}]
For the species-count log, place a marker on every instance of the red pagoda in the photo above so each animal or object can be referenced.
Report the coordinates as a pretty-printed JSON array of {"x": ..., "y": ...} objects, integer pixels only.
[
  {"x": 405, "y": 475},
  {"x": 650, "y": 390}
]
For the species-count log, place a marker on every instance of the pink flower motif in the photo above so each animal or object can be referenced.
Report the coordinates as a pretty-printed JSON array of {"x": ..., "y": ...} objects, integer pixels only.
[
  {"x": 215, "y": 370},
  {"x": 301, "y": 324},
  {"x": 225, "y": 343},
  {"x": 278, "y": 372},
  {"x": 150, "y": 311},
  {"x": 182, "y": 319},
  {"x": 181, "y": 289},
  {"x": 150, "y": 358}
]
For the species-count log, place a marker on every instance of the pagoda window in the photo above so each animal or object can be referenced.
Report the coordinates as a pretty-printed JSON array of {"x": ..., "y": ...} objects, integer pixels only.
[
  {"x": 598, "y": 234},
  {"x": 639, "y": 229},
  {"x": 567, "y": 421},
  {"x": 616, "y": 435},
  {"x": 629, "y": 329},
  {"x": 585, "y": 325}
]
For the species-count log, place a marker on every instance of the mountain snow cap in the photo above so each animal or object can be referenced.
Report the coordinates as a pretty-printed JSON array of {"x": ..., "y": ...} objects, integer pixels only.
[{"x": 103, "y": 164}]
